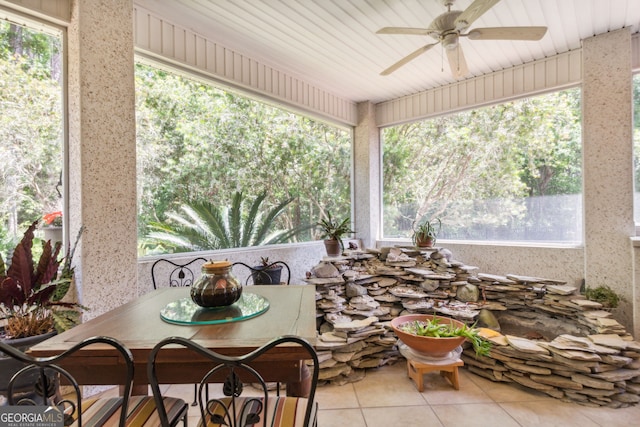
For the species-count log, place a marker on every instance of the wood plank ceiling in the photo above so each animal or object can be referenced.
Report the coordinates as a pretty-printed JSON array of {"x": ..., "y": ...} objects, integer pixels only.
[{"x": 333, "y": 43}]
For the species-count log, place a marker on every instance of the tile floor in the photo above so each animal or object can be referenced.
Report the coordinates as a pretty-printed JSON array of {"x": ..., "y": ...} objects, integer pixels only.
[{"x": 387, "y": 397}]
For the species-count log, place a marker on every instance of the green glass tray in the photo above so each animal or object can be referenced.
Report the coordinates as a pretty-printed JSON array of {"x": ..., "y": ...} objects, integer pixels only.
[{"x": 186, "y": 312}]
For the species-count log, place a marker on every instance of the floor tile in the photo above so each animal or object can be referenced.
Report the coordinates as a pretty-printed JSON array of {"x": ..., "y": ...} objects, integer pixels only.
[
  {"x": 387, "y": 397},
  {"x": 438, "y": 390},
  {"x": 474, "y": 415},
  {"x": 341, "y": 417},
  {"x": 621, "y": 417},
  {"x": 554, "y": 413},
  {"x": 405, "y": 416},
  {"x": 384, "y": 389},
  {"x": 337, "y": 397}
]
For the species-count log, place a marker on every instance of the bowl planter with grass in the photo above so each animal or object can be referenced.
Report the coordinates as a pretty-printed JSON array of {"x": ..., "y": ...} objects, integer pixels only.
[{"x": 436, "y": 336}]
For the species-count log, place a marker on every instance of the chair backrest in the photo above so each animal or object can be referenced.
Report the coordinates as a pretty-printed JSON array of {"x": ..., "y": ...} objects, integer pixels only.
[
  {"x": 236, "y": 409},
  {"x": 178, "y": 274},
  {"x": 48, "y": 372},
  {"x": 261, "y": 275}
]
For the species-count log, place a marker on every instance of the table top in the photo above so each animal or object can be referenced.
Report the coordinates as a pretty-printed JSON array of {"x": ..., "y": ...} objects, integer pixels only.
[{"x": 139, "y": 326}]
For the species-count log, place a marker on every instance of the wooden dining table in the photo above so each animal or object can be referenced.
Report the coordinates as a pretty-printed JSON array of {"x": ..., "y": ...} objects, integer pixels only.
[{"x": 139, "y": 326}]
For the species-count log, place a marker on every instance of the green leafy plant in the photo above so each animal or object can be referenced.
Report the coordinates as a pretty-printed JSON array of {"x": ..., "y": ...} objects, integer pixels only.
[
  {"x": 604, "y": 295},
  {"x": 31, "y": 292},
  {"x": 426, "y": 230},
  {"x": 433, "y": 328},
  {"x": 203, "y": 226},
  {"x": 335, "y": 229}
]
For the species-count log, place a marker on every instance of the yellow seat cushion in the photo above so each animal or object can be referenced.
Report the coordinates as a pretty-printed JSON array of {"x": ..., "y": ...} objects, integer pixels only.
[
  {"x": 281, "y": 411},
  {"x": 141, "y": 412}
]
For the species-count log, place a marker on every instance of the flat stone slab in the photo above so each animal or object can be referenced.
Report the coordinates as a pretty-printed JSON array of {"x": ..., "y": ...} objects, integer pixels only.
[
  {"x": 609, "y": 340},
  {"x": 522, "y": 367},
  {"x": 592, "y": 382},
  {"x": 495, "y": 278},
  {"x": 586, "y": 304},
  {"x": 419, "y": 271},
  {"x": 561, "y": 289},
  {"x": 529, "y": 279},
  {"x": 582, "y": 356},
  {"x": 407, "y": 292},
  {"x": 355, "y": 325},
  {"x": 557, "y": 381},
  {"x": 524, "y": 345},
  {"x": 525, "y": 381},
  {"x": 618, "y": 375}
]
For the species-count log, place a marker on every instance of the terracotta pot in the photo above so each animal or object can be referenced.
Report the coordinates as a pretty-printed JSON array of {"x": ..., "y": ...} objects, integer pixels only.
[
  {"x": 424, "y": 242},
  {"x": 430, "y": 346},
  {"x": 333, "y": 247}
]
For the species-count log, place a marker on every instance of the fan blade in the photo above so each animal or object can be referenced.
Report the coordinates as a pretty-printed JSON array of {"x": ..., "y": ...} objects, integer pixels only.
[
  {"x": 507, "y": 33},
  {"x": 405, "y": 30},
  {"x": 407, "y": 58},
  {"x": 457, "y": 63},
  {"x": 473, "y": 12}
]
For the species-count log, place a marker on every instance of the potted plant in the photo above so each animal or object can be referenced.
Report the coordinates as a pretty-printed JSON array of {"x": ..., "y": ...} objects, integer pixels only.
[
  {"x": 332, "y": 232},
  {"x": 266, "y": 273},
  {"x": 52, "y": 226},
  {"x": 426, "y": 232},
  {"x": 31, "y": 296},
  {"x": 436, "y": 336}
]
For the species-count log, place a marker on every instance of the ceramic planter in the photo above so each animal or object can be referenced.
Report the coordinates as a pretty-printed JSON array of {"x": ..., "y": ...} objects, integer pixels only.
[
  {"x": 266, "y": 276},
  {"x": 430, "y": 346},
  {"x": 9, "y": 366},
  {"x": 333, "y": 247}
]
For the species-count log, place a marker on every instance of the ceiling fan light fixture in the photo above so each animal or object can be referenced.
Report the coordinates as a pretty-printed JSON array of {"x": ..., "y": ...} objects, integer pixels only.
[{"x": 450, "y": 41}]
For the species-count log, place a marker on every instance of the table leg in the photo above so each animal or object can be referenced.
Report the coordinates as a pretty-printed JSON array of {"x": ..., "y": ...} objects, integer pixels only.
[{"x": 303, "y": 387}]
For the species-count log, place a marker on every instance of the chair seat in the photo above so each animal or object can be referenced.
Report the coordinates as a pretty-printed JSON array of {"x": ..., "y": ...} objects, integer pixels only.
[
  {"x": 283, "y": 411},
  {"x": 142, "y": 411}
]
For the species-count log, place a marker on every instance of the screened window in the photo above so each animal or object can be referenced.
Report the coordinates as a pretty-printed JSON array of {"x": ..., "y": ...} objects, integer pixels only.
[
  {"x": 509, "y": 172},
  {"x": 31, "y": 129},
  {"x": 198, "y": 146}
]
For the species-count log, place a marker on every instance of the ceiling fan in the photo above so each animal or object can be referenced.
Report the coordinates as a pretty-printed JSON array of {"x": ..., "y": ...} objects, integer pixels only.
[{"x": 447, "y": 29}]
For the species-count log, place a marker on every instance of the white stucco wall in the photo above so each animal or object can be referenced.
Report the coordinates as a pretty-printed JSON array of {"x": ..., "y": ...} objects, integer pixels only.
[{"x": 102, "y": 151}]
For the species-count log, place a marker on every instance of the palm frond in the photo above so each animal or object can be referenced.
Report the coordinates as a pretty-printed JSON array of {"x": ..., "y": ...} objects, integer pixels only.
[
  {"x": 201, "y": 225},
  {"x": 268, "y": 221}
]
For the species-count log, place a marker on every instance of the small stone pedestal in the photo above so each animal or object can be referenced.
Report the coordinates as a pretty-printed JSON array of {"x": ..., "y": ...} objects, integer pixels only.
[{"x": 418, "y": 365}]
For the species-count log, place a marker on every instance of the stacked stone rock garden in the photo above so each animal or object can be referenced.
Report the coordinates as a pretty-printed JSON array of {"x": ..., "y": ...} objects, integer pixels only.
[{"x": 547, "y": 336}]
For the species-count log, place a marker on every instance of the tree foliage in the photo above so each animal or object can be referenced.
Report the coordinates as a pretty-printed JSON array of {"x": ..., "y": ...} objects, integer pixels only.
[
  {"x": 31, "y": 140},
  {"x": 197, "y": 143},
  {"x": 477, "y": 167}
]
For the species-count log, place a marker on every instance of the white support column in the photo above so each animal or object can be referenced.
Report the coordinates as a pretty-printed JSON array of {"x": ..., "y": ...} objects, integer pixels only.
[
  {"x": 102, "y": 151},
  {"x": 608, "y": 166},
  {"x": 368, "y": 173}
]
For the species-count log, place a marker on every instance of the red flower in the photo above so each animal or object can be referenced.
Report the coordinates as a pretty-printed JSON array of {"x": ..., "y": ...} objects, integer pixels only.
[{"x": 49, "y": 218}]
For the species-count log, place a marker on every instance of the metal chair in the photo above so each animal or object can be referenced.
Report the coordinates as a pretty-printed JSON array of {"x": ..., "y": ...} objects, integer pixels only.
[
  {"x": 236, "y": 409},
  {"x": 44, "y": 374},
  {"x": 261, "y": 276},
  {"x": 179, "y": 274}
]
